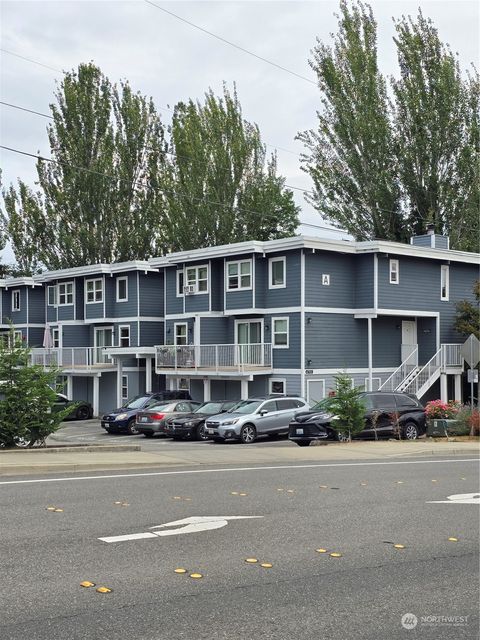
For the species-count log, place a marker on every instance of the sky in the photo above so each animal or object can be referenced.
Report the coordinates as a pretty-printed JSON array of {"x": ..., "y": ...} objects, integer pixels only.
[{"x": 169, "y": 60}]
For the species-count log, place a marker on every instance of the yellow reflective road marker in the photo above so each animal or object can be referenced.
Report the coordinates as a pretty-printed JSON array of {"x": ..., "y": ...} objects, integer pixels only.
[
  {"x": 125, "y": 504},
  {"x": 266, "y": 565},
  {"x": 243, "y": 494},
  {"x": 364, "y": 484},
  {"x": 103, "y": 590},
  {"x": 58, "y": 510},
  {"x": 434, "y": 480},
  {"x": 321, "y": 550},
  {"x": 400, "y": 482},
  {"x": 87, "y": 584},
  {"x": 117, "y": 502},
  {"x": 462, "y": 478},
  {"x": 251, "y": 560},
  {"x": 180, "y": 570},
  {"x": 51, "y": 508},
  {"x": 280, "y": 489},
  {"x": 336, "y": 555},
  {"x": 177, "y": 498},
  {"x": 196, "y": 576},
  {"x": 323, "y": 486},
  {"x": 399, "y": 546},
  {"x": 234, "y": 493},
  {"x": 453, "y": 539},
  {"x": 290, "y": 490}
]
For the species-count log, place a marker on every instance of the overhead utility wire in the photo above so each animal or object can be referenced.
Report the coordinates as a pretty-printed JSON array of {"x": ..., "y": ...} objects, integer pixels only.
[
  {"x": 232, "y": 44},
  {"x": 40, "y": 64}
]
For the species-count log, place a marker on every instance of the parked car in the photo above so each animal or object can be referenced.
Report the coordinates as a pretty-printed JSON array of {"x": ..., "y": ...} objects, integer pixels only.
[
  {"x": 253, "y": 417},
  {"x": 193, "y": 424},
  {"x": 152, "y": 420},
  {"x": 386, "y": 413},
  {"x": 81, "y": 410},
  {"x": 124, "y": 418}
]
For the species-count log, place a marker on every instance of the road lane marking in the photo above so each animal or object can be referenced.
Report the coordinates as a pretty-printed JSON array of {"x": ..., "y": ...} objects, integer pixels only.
[
  {"x": 193, "y": 524},
  {"x": 459, "y": 498},
  {"x": 227, "y": 470}
]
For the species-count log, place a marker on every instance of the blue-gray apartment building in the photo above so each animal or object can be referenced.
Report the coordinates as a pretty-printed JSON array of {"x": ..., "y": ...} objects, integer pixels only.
[{"x": 282, "y": 316}]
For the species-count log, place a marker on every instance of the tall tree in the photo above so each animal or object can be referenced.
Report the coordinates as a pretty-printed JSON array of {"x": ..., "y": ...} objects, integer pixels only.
[
  {"x": 350, "y": 155},
  {"x": 223, "y": 187},
  {"x": 434, "y": 113},
  {"x": 98, "y": 201}
]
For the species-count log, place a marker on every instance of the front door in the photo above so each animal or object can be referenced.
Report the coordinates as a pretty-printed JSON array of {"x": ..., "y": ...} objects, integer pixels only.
[
  {"x": 409, "y": 338},
  {"x": 249, "y": 338},
  {"x": 103, "y": 338}
]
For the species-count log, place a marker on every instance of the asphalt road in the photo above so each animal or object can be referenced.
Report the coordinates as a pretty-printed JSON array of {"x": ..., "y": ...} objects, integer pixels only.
[{"x": 358, "y": 510}]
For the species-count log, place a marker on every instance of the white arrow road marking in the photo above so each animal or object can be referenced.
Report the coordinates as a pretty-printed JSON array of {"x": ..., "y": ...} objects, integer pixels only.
[
  {"x": 194, "y": 524},
  {"x": 459, "y": 498}
]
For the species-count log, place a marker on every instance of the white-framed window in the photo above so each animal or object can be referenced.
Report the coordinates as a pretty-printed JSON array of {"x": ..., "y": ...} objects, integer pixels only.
[
  {"x": 376, "y": 382},
  {"x": 65, "y": 293},
  {"x": 184, "y": 383},
  {"x": 94, "y": 291},
  {"x": 124, "y": 335},
  {"x": 280, "y": 333},
  {"x": 61, "y": 384},
  {"x": 239, "y": 275},
  {"x": 394, "y": 272},
  {"x": 277, "y": 278},
  {"x": 16, "y": 300},
  {"x": 124, "y": 387},
  {"x": 277, "y": 385},
  {"x": 444, "y": 282},
  {"x": 197, "y": 277},
  {"x": 18, "y": 336},
  {"x": 180, "y": 282},
  {"x": 56, "y": 337},
  {"x": 122, "y": 289},
  {"x": 181, "y": 333},
  {"x": 52, "y": 295}
]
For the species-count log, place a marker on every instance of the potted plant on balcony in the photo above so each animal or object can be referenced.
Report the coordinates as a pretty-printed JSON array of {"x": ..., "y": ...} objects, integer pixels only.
[{"x": 441, "y": 417}]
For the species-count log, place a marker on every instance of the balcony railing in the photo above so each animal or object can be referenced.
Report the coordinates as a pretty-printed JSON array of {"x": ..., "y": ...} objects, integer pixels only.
[
  {"x": 73, "y": 358},
  {"x": 214, "y": 357}
]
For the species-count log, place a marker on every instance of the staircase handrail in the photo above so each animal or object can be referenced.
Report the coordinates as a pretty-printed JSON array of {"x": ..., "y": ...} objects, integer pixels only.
[
  {"x": 400, "y": 372},
  {"x": 425, "y": 373}
]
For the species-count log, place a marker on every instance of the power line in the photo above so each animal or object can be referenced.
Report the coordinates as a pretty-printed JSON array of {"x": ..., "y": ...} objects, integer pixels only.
[
  {"x": 232, "y": 44},
  {"x": 40, "y": 64},
  {"x": 16, "y": 106}
]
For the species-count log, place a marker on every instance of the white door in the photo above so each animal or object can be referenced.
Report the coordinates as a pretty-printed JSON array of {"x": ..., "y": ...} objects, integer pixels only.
[
  {"x": 103, "y": 338},
  {"x": 315, "y": 391},
  {"x": 249, "y": 337},
  {"x": 409, "y": 337}
]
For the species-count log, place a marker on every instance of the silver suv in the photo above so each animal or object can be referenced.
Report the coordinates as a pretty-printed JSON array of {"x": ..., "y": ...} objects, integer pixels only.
[{"x": 256, "y": 416}]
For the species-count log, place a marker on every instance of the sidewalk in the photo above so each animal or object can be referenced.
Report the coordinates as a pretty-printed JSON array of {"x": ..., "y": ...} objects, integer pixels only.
[{"x": 129, "y": 457}]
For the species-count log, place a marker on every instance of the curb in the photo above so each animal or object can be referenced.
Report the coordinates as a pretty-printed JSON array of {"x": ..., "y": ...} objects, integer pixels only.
[
  {"x": 78, "y": 448},
  {"x": 24, "y": 470}
]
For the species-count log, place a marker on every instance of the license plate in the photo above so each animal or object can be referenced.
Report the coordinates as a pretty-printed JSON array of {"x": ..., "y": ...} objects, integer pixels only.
[
  {"x": 143, "y": 419},
  {"x": 299, "y": 432},
  {"x": 210, "y": 431}
]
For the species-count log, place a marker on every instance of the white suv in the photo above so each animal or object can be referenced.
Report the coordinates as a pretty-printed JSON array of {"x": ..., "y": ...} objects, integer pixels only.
[{"x": 256, "y": 416}]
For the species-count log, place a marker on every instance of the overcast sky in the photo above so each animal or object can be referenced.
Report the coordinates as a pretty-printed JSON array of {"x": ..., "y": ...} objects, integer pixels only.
[{"x": 169, "y": 60}]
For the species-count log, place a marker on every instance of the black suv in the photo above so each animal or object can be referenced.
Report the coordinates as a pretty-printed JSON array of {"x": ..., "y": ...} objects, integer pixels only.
[
  {"x": 389, "y": 414},
  {"x": 193, "y": 425}
]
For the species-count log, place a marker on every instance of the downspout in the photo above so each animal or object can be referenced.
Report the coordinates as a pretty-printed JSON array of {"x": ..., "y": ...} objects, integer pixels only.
[{"x": 302, "y": 323}]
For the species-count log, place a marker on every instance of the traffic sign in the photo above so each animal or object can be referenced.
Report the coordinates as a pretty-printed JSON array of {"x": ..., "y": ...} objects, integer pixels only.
[{"x": 470, "y": 350}]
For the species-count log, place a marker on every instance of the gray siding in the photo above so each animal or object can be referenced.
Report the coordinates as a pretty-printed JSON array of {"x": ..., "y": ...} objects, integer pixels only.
[
  {"x": 17, "y": 317},
  {"x": 196, "y": 390},
  {"x": 151, "y": 333},
  {"x": 364, "y": 281},
  {"x": 79, "y": 299},
  {"x": 290, "y": 296},
  {"x": 215, "y": 330},
  {"x": 36, "y": 305},
  {"x": 174, "y": 303},
  {"x": 335, "y": 341},
  {"x": 387, "y": 341},
  {"x": 197, "y": 302},
  {"x": 427, "y": 338},
  {"x": 94, "y": 310},
  {"x": 217, "y": 285},
  {"x": 74, "y": 335},
  {"x": 239, "y": 300},
  {"x": 341, "y": 291},
  {"x": 285, "y": 358},
  {"x": 152, "y": 300},
  {"x": 35, "y": 336},
  {"x": 225, "y": 390}
]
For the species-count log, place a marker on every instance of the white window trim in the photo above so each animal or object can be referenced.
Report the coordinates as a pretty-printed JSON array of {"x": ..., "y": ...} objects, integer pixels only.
[
  {"x": 18, "y": 333},
  {"x": 86, "y": 291},
  {"x": 270, "y": 385},
  {"x": 444, "y": 269},
  {"x": 197, "y": 268},
  {"x": 394, "y": 267},
  {"x": 180, "y": 324},
  {"x": 280, "y": 346},
  {"x": 65, "y": 284},
  {"x": 103, "y": 328},
  {"x": 120, "y": 327},
  {"x": 55, "y": 295},
  {"x": 379, "y": 381},
  {"x": 16, "y": 292},
  {"x": 309, "y": 398},
  {"x": 177, "y": 283},
  {"x": 57, "y": 330},
  {"x": 270, "y": 273},
  {"x": 250, "y": 321},
  {"x": 239, "y": 276},
  {"x": 124, "y": 386},
  {"x": 117, "y": 296}
]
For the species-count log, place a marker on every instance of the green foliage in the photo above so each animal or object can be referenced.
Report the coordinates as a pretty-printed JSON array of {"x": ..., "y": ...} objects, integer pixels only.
[
  {"x": 467, "y": 319},
  {"x": 26, "y": 396},
  {"x": 347, "y": 405}
]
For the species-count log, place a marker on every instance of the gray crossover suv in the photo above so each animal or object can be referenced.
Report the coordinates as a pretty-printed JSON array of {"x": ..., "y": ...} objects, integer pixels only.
[{"x": 256, "y": 416}]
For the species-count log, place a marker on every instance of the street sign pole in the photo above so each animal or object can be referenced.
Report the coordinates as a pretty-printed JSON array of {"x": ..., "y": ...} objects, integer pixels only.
[{"x": 470, "y": 352}]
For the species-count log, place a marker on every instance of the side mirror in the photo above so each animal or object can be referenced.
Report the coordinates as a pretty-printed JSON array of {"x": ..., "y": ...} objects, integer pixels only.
[{"x": 263, "y": 412}]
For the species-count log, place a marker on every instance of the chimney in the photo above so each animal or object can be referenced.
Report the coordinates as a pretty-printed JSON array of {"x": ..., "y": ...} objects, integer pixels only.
[
  {"x": 430, "y": 229},
  {"x": 431, "y": 240}
]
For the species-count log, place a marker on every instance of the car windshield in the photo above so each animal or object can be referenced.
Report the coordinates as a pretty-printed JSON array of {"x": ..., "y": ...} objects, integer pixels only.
[
  {"x": 323, "y": 405},
  {"x": 246, "y": 406},
  {"x": 210, "y": 408},
  {"x": 136, "y": 402},
  {"x": 160, "y": 407}
]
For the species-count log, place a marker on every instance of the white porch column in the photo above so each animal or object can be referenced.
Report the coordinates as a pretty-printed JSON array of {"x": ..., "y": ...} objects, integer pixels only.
[
  {"x": 244, "y": 389},
  {"x": 370, "y": 355},
  {"x": 119, "y": 381},
  {"x": 206, "y": 390},
  {"x": 148, "y": 374},
  {"x": 443, "y": 387},
  {"x": 458, "y": 387},
  {"x": 69, "y": 390},
  {"x": 170, "y": 383},
  {"x": 96, "y": 396}
]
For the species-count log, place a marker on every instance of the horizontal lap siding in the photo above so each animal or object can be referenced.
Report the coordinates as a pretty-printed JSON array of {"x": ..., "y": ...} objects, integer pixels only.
[
  {"x": 215, "y": 330},
  {"x": 341, "y": 291},
  {"x": 286, "y": 358},
  {"x": 197, "y": 302},
  {"x": 217, "y": 284},
  {"x": 174, "y": 303},
  {"x": 239, "y": 300},
  {"x": 261, "y": 281},
  {"x": 152, "y": 297},
  {"x": 79, "y": 298},
  {"x": 335, "y": 341},
  {"x": 17, "y": 317},
  {"x": 35, "y": 336},
  {"x": 289, "y": 296},
  {"x": 225, "y": 390},
  {"x": 94, "y": 310},
  {"x": 387, "y": 341},
  {"x": 364, "y": 281},
  {"x": 77, "y": 335},
  {"x": 170, "y": 329},
  {"x": 36, "y": 305},
  {"x": 427, "y": 338},
  {"x": 151, "y": 333}
]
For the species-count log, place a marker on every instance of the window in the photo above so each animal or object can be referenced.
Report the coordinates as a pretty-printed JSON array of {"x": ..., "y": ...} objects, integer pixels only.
[
  {"x": 197, "y": 277},
  {"x": 122, "y": 289},
  {"x": 65, "y": 293},
  {"x": 444, "y": 282},
  {"x": 184, "y": 383},
  {"x": 376, "y": 382},
  {"x": 277, "y": 385},
  {"x": 239, "y": 275},
  {"x": 61, "y": 384},
  {"x": 94, "y": 291},
  {"x": 17, "y": 336},
  {"x": 269, "y": 406},
  {"x": 180, "y": 282},
  {"x": 181, "y": 333},
  {"x": 124, "y": 388},
  {"x": 56, "y": 338},
  {"x": 394, "y": 272},
  {"x": 276, "y": 273},
  {"x": 124, "y": 336},
  {"x": 16, "y": 300},
  {"x": 384, "y": 402},
  {"x": 280, "y": 333},
  {"x": 52, "y": 296}
]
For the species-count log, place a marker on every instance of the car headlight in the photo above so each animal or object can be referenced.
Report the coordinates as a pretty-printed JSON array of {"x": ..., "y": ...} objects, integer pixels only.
[
  {"x": 234, "y": 421},
  {"x": 122, "y": 416},
  {"x": 189, "y": 424}
]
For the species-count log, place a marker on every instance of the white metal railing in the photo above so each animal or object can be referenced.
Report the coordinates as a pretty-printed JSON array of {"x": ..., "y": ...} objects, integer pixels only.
[
  {"x": 214, "y": 357},
  {"x": 427, "y": 374},
  {"x": 76, "y": 358},
  {"x": 401, "y": 373},
  {"x": 451, "y": 356}
]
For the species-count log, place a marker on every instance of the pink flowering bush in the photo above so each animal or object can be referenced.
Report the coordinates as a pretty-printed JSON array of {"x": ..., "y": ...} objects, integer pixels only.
[{"x": 437, "y": 409}]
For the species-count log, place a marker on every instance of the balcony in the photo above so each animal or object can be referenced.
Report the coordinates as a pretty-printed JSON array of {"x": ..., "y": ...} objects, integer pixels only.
[
  {"x": 75, "y": 359},
  {"x": 214, "y": 359}
]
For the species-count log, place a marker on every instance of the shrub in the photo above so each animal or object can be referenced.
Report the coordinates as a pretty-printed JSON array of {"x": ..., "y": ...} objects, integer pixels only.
[
  {"x": 437, "y": 409},
  {"x": 347, "y": 406}
]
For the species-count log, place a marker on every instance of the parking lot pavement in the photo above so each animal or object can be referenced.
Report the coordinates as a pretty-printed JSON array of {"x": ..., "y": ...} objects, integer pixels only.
[{"x": 281, "y": 517}]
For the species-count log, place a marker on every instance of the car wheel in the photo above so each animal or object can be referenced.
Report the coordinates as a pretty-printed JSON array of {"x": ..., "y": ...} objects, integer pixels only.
[
  {"x": 82, "y": 413},
  {"x": 410, "y": 431},
  {"x": 131, "y": 428},
  {"x": 303, "y": 443},
  {"x": 342, "y": 436},
  {"x": 148, "y": 434},
  {"x": 248, "y": 434},
  {"x": 200, "y": 433}
]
